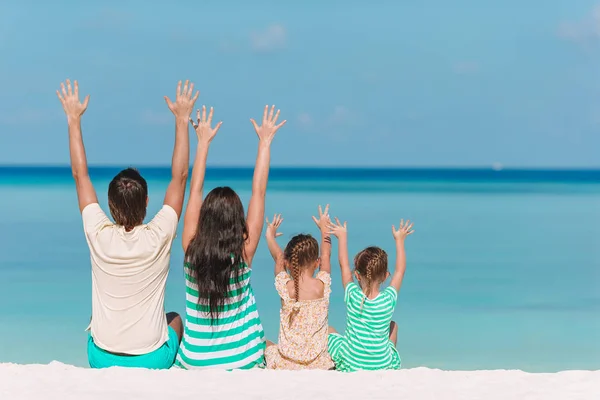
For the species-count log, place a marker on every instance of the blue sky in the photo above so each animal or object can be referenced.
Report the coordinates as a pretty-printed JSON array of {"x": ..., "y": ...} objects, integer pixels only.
[{"x": 389, "y": 83}]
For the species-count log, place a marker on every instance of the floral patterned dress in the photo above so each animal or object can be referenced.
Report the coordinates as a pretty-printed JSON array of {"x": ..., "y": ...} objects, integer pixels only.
[{"x": 302, "y": 338}]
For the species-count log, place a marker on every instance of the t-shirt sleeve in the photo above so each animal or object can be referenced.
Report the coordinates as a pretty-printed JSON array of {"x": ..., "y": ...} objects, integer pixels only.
[
  {"x": 166, "y": 221},
  {"x": 281, "y": 281},
  {"x": 325, "y": 277},
  {"x": 352, "y": 290},
  {"x": 391, "y": 293},
  {"x": 94, "y": 219}
]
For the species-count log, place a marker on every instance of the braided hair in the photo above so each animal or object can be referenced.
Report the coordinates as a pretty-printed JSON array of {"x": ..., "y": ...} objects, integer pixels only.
[
  {"x": 300, "y": 252},
  {"x": 372, "y": 264}
]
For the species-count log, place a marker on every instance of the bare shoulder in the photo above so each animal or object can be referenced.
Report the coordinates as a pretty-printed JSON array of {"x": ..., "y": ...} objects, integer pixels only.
[{"x": 310, "y": 289}]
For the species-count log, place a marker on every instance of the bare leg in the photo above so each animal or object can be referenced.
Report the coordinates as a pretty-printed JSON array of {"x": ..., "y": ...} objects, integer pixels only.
[
  {"x": 174, "y": 321},
  {"x": 269, "y": 343},
  {"x": 393, "y": 332},
  {"x": 331, "y": 329}
]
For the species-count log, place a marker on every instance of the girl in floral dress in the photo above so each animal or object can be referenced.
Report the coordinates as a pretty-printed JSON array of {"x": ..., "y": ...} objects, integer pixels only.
[{"x": 304, "y": 298}]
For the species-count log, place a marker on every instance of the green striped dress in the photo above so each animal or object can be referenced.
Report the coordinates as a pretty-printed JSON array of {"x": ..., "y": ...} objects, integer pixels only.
[
  {"x": 235, "y": 341},
  {"x": 366, "y": 344}
]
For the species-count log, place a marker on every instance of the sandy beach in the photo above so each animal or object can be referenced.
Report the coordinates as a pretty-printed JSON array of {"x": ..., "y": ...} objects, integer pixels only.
[{"x": 60, "y": 381}]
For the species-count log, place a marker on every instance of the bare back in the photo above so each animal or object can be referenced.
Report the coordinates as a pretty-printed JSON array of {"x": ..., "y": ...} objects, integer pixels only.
[{"x": 310, "y": 288}]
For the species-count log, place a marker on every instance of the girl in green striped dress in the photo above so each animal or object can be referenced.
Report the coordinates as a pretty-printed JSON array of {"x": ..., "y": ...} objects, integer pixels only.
[
  {"x": 222, "y": 327},
  {"x": 369, "y": 342}
]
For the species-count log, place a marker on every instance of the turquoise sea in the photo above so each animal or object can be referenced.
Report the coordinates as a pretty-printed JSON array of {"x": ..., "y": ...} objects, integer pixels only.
[{"x": 503, "y": 268}]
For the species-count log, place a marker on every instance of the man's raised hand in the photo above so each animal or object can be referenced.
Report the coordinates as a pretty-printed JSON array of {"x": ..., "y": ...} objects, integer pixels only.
[
  {"x": 69, "y": 98},
  {"x": 184, "y": 102}
]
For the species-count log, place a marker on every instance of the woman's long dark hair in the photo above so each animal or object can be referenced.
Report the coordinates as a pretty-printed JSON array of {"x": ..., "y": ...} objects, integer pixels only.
[{"x": 214, "y": 255}]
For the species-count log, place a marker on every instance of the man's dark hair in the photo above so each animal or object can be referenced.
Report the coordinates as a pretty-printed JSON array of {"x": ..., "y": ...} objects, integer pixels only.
[{"x": 127, "y": 198}]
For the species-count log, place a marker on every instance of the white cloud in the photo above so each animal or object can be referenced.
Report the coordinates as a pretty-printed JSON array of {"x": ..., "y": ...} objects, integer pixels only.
[
  {"x": 340, "y": 116},
  {"x": 227, "y": 46},
  {"x": 156, "y": 118},
  {"x": 29, "y": 116},
  {"x": 584, "y": 30},
  {"x": 273, "y": 38},
  {"x": 108, "y": 19},
  {"x": 465, "y": 67},
  {"x": 305, "y": 120},
  {"x": 333, "y": 124}
]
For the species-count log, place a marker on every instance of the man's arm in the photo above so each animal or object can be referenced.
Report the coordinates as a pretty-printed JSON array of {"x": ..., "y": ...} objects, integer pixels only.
[
  {"x": 74, "y": 110},
  {"x": 180, "y": 164},
  {"x": 256, "y": 209},
  {"x": 205, "y": 134}
]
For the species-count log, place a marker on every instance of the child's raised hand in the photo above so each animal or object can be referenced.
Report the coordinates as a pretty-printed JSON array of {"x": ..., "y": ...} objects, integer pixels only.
[
  {"x": 337, "y": 229},
  {"x": 323, "y": 221},
  {"x": 403, "y": 230},
  {"x": 273, "y": 226}
]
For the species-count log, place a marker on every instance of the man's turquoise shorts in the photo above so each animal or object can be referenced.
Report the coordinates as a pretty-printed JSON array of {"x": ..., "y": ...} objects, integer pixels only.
[{"x": 161, "y": 358}]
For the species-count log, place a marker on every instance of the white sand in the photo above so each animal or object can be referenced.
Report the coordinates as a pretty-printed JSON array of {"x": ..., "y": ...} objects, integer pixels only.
[{"x": 60, "y": 381}]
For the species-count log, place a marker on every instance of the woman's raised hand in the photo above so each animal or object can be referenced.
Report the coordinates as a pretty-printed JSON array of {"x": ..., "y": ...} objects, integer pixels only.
[
  {"x": 405, "y": 229},
  {"x": 269, "y": 126},
  {"x": 273, "y": 226},
  {"x": 203, "y": 125}
]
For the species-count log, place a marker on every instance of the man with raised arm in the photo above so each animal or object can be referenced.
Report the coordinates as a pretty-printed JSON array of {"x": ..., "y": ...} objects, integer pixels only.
[{"x": 130, "y": 259}]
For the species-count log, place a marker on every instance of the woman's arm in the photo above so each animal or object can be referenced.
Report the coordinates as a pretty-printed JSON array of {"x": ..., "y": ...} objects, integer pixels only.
[
  {"x": 340, "y": 231},
  {"x": 205, "y": 134},
  {"x": 400, "y": 235},
  {"x": 323, "y": 223},
  {"x": 256, "y": 209}
]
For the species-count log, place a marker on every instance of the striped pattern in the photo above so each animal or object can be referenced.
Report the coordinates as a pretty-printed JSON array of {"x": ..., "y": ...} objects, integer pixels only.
[
  {"x": 366, "y": 345},
  {"x": 235, "y": 341}
]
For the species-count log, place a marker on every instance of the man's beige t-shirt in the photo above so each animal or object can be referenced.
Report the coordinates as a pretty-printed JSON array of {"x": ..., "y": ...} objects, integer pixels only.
[{"x": 129, "y": 274}]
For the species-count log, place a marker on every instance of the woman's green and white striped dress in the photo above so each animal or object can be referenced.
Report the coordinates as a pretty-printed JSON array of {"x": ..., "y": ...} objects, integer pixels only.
[{"x": 235, "y": 341}]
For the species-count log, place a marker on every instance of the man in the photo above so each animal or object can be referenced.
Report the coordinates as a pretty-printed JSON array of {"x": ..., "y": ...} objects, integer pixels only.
[{"x": 130, "y": 259}]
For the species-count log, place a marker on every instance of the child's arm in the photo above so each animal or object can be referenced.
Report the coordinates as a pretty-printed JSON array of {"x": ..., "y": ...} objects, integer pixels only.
[
  {"x": 323, "y": 223},
  {"x": 274, "y": 248},
  {"x": 340, "y": 231},
  {"x": 403, "y": 231}
]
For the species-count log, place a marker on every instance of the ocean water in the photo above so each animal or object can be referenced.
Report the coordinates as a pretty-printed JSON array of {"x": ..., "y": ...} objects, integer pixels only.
[{"x": 503, "y": 268}]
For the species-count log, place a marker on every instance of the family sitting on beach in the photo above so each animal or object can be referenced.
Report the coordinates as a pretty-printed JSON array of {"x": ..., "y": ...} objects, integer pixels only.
[{"x": 222, "y": 328}]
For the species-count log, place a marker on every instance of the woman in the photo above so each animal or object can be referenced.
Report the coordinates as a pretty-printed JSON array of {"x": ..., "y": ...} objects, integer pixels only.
[{"x": 222, "y": 326}]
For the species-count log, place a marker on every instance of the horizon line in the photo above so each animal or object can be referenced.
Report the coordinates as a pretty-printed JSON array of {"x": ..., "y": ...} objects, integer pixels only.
[{"x": 495, "y": 168}]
